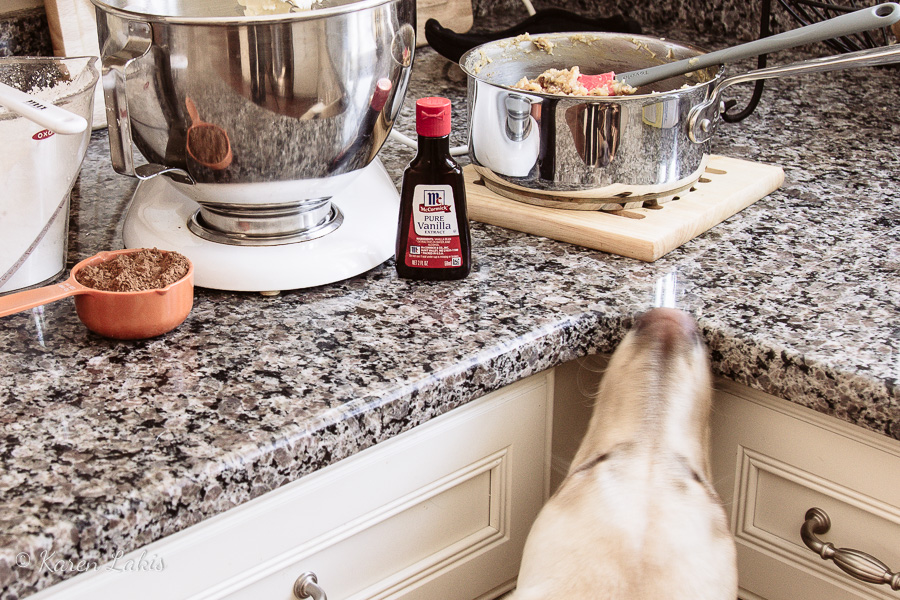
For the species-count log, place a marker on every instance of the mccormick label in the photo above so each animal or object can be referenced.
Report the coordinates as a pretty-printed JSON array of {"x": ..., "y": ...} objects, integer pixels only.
[{"x": 433, "y": 229}]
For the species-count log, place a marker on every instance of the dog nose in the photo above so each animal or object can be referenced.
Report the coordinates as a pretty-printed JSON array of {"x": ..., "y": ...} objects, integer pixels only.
[{"x": 666, "y": 324}]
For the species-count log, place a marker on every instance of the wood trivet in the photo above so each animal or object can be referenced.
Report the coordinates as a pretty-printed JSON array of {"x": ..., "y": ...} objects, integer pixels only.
[{"x": 728, "y": 186}]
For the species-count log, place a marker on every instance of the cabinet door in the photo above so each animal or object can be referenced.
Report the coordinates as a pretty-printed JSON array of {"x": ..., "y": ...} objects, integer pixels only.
[
  {"x": 441, "y": 511},
  {"x": 772, "y": 461}
]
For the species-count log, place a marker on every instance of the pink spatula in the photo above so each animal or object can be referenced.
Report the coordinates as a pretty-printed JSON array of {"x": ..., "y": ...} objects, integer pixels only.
[
  {"x": 875, "y": 17},
  {"x": 593, "y": 82}
]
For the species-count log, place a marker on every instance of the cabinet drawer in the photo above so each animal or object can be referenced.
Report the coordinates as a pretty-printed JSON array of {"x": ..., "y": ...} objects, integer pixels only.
[
  {"x": 441, "y": 511},
  {"x": 772, "y": 461}
]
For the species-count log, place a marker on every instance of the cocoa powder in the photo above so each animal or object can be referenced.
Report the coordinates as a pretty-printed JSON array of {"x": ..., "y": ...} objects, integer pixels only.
[
  {"x": 209, "y": 145},
  {"x": 146, "y": 269}
]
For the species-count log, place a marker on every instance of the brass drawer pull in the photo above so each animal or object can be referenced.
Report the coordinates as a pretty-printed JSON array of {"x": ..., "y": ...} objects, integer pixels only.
[
  {"x": 864, "y": 567},
  {"x": 307, "y": 586}
]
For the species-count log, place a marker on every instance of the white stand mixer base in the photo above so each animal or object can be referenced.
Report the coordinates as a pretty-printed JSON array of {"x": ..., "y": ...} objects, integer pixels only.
[{"x": 159, "y": 214}]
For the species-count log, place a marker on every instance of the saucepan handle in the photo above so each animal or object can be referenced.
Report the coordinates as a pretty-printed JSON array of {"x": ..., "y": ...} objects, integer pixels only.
[
  {"x": 875, "y": 17},
  {"x": 703, "y": 118}
]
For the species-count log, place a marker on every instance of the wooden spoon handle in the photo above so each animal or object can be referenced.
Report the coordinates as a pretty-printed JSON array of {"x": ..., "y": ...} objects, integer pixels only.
[{"x": 20, "y": 301}]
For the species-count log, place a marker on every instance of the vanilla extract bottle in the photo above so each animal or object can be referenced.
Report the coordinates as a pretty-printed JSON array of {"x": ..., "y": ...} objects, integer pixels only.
[{"x": 433, "y": 240}]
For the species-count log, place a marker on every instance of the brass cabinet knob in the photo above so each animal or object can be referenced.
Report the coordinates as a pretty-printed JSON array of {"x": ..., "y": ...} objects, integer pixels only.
[
  {"x": 307, "y": 586},
  {"x": 860, "y": 565}
]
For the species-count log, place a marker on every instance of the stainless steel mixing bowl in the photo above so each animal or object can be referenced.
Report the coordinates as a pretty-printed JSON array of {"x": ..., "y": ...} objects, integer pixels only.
[{"x": 289, "y": 93}]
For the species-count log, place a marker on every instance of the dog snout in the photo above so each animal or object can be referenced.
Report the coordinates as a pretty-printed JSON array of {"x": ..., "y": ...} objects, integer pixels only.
[{"x": 667, "y": 325}]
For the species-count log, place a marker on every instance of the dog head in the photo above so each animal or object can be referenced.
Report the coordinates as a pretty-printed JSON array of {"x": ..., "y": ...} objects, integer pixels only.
[{"x": 657, "y": 388}]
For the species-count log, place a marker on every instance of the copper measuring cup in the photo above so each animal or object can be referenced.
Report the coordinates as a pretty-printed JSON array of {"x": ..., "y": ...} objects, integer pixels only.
[
  {"x": 207, "y": 144},
  {"x": 119, "y": 315}
]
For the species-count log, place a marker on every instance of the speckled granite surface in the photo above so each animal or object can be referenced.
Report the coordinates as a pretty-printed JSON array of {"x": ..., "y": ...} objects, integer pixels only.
[
  {"x": 736, "y": 20},
  {"x": 25, "y": 33},
  {"x": 107, "y": 446}
]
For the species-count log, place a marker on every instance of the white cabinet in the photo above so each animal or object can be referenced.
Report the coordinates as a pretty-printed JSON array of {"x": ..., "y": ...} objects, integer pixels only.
[
  {"x": 441, "y": 511},
  {"x": 772, "y": 461}
]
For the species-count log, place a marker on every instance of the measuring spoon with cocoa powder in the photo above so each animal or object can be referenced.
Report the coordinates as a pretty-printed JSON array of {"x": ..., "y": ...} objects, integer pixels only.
[
  {"x": 207, "y": 144},
  {"x": 120, "y": 315}
]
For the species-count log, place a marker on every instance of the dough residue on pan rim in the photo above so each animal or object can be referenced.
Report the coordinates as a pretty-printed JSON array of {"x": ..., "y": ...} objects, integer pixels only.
[{"x": 566, "y": 82}]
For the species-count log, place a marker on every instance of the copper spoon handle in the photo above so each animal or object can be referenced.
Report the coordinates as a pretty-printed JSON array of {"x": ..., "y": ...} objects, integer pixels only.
[{"x": 20, "y": 301}]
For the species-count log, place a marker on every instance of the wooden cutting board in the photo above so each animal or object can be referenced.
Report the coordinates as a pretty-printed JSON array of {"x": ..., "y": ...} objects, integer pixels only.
[{"x": 728, "y": 186}]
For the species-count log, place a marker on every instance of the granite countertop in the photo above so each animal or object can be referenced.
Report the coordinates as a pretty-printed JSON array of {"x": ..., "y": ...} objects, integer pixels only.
[{"x": 108, "y": 445}]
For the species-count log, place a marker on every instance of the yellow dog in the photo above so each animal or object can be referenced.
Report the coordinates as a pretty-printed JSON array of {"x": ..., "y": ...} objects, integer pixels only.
[{"x": 636, "y": 517}]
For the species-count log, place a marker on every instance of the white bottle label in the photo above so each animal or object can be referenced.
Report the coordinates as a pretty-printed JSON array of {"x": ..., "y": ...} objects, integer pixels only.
[
  {"x": 434, "y": 211},
  {"x": 433, "y": 241}
]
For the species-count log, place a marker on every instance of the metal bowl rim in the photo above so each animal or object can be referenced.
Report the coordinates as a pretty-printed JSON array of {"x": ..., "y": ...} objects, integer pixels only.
[
  {"x": 613, "y": 99},
  {"x": 306, "y": 15}
]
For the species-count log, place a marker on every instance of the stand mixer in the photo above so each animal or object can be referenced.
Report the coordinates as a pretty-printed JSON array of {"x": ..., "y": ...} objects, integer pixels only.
[{"x": 261, "y": 134}]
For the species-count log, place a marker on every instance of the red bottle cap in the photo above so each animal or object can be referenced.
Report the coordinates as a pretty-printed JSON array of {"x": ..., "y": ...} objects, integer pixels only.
[{"x": 433, "y": 117}]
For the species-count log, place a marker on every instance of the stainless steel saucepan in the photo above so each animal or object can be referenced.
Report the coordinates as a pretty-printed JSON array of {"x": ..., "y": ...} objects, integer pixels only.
[{"x": 583, "y": 152}]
